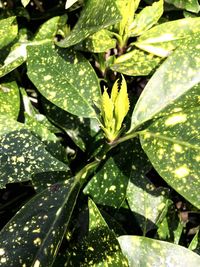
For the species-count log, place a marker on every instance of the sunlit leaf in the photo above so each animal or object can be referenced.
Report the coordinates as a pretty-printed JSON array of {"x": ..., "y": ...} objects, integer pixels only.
[
  {"x": 172, "y": 145},
  {"x": 69, "y": 3},
  {"x": 64, "y": 78},
  {"x": 7, "y": 26},
  {"x": 47, "y": 30},
  {"x": 34, "y": 234},
  {"x": 25, "y": 2},
  {"x": 95, "y": 16},
  {"x": 142, "y": 250}
]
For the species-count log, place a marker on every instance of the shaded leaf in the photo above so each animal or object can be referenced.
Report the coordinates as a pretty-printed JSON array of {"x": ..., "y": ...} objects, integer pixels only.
[
  {"x": 147, "y": 17},
  {"x": 136, "y": 63},
  {"x": 162, "y": 39},
  {"x": 96, "y": 15},
  {"x": 7, "y": 26},
  {"x": 34, "y": 234},
  {"x": 148, "y": 203},
  {"x": 22, "y": 155},
  {"x": 172, "y": 145},
  {"x": 190, "y": 5},
  {"x": 142, "y": 250},
  {"x": 47, "y": 30},
  {"x": 9, "y": 99},
  {"x": 175, "y": 77},
  {"x": 64, "y": 78}
]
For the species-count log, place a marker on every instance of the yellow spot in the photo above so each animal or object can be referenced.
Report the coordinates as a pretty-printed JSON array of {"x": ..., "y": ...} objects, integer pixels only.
[
  {"x": 21, "y": 159},
  {"x": 155, "y": 245},
  {"x": 181, "y": 172},
  {"x": 112, "y": 188},
  {"x": 197, "y": 158},
  {"x": 2, "y": 251},
  {"x": 91, "y": 248},
  {"x": 81, "y": 72},
  {"x": 147, "y": 135},
  {"x": 47, "y": 77},
  {"x": 36, "y": 230},
  {"x": 175, "y": 119},
  {"x": 3, "y": 260},
  {"x": 37, "y": 241},
  {"x": 37, "y": 263},
  {"x": 26, "y": 228},
  {"x": 177, "y": 148},
  {"x": 58, "y": 211}
]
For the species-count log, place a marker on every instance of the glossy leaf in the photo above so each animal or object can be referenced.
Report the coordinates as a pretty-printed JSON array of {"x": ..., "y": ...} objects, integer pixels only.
[
  {"x": 22, "y": 155},
  {"x": 136, "y": 63},
  {"x": 164, "y": 38},
  {"x": 109, "y": 253},
  {"x": 112, "y": 178},
  {"x": 69, "y": 3},
  {"x": 64, "y": 78},
  {"x": 175, "y": 77},
  {"x": 172, "y": 145},
  {"x": 34, "y": 234},
  {"x": 9, "y": 99},
  {"x": 190, "y": 5},
  {"x": 147, "y": 17},
  {"x": 7, "y": 26},
  {"x": 142, "y": 250},
  {"x": 95, "y": 16},
  {"x": 47, "y": 30},
  {"x": 148, "y": 203},
  {"x": 98, "y": 42}
]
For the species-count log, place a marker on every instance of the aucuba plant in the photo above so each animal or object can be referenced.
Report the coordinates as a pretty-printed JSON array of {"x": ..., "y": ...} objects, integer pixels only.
[
  {"x": 99, "y": 133},
  {"x": 114, "y": 108}
]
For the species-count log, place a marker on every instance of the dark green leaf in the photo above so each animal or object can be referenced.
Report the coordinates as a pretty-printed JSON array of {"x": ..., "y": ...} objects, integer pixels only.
[
  {"x": 175, "y": 77},
  {"x": 136, "y": 63},
  {"x": 95, "y": 16},
  {"x": 34, "y": 234},
  {"x": 172, "y": 145},
  {"x": 9, "y": 99},
  {"x": 143, "y": 251},
  {"x": 7, "y": 26},
  {"x": 162, "y": 39},
  {"x": 190, "y": 5},
  {"x": 22, "y": 155},
  {"x": 65, "y": 78}
]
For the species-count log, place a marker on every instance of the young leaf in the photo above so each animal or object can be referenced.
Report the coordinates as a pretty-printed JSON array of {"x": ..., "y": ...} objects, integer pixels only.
[
  {"x": 7, "y": 26},
  {"x": 9, "y": 99},
  {"x": 95, "y": 16},
  {"x": 136, "y": 63},
  {"x": 142, "y": 250},
  {"x": 172, "y": 145},
  {"x": 164, "y": 38},
  {"x": 146, "y": 18},
  {"x": 22, "y": 155},
  {"x": 175, "y": 77},
  {"x": 34, "y": 234},
  {"x": 64, "y": 78}
]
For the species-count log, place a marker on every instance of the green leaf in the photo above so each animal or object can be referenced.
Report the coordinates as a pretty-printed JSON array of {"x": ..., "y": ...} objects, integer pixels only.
[
  {"x": 162, "y": 39},
  {"x": 175, "y": 77},
  {"x": 146, "y": 18},
  {"x": 7, "y": 26},
  {"x": 190, "y": 5},
  {"x": 95, "y": 16},
  {"x": 9, "y": 99},
  {"x": 47, "y": 30},
  {"x": 172, "y": 145},
  {"x": 65, "y": 78},
  {"x": 153, "y": 202},
  {"x": 69, "y": 3},
  {"x": 136, "y": 63},
  {"x": 34, "y": 234},
  {"x": 141, "y": 251},
  {"x": 98, "y": 42},
  {"x": 25, "y": 2},
  {"x": 22, "y": 155},
  {"x": 100, "y": 247}
]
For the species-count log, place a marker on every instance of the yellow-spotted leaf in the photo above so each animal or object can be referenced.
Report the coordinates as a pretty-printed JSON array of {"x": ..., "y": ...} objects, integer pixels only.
[
  {"x": 7, "y": 26},
  {"x": 47, "y": 30},
  {"x": 164, "y": 38},
  {"x": 179, "y": 73},
  {"x": 25, "y": 2},
  {"x": 9, "y": 99},
  {"x": 23, "y": 155},
  {"x": 143, "y": 251},
  {"x": 172, "y": 145},
  {"x": 65, "y": 78},
  {"x": 100, "y": 247},
  {"x": 96, "y": 15},
  {"x": 32, "y": 237},
  {"x": 190, "y": 5},
  {"x": 136, "y": 63}
]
